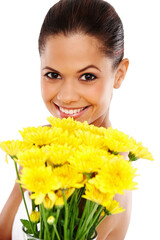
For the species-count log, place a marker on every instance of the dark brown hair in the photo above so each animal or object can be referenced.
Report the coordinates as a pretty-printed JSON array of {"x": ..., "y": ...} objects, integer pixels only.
[{"x": 96, "y": 18}]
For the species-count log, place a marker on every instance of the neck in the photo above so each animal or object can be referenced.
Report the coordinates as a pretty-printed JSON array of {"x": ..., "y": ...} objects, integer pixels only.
[
  {"x": 103, "y": 121},
  {"x": 106, "y": 123}
]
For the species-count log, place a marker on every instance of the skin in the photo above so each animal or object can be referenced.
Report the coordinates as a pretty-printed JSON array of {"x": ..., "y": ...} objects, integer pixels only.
[
  {"x": 9, "y": 211},
  {"x": 69, "y": 89}
]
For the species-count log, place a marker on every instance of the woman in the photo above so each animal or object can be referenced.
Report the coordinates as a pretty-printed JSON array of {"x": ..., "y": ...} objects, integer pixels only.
[{"x": 81, "y": 46}]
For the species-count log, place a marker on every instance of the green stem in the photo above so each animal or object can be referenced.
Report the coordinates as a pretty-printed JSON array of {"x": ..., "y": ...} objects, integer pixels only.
[
  {"x": 41, "y": 223},
  {"x": 73, "y": 212},
  {"x": 101, "y": 220},
  {"x": 47, "y": 235},
  {"x": 90, "y": 217},
  {"x": 80, "y": 193},
  {"x": 55, "y": 229},
  {"x": 56, "y": 220},
  {"x": 66, "y": 216},
  {"x": 30, "y": 223},
  {"x": 92, "y": 222},
  {"x": 33, "y": 205},
  {"x": 82, "y": 218}
]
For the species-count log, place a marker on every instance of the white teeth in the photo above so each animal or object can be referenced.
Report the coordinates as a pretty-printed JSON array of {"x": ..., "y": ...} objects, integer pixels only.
[
  {"x": 75, "y": 111},
  {"x": 70, "y": 111}
]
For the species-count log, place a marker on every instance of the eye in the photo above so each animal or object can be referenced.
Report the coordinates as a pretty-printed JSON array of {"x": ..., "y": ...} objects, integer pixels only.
[
  {"x": 51, "y": 75},
  {"x": 89, "y": 77}
]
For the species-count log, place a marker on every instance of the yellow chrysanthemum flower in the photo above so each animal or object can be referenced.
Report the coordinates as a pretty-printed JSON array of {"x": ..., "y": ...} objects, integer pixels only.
[
  {"x": 12, "y": 148},
  {"x": 115, "y": 177},
  {"x": 35, "y": 216},
  {"x": 104, "y": 199},
  {"x": 68, "y": 177},
  {"x": 69, "y": 139},
  {"x": 41, "y": 136},
  {"x": 93, "y": 129},
  {"x": 58, "y": 154},
  {"x": 88, "y": 159},
  {"x": 40, "y": 180},
  {"x": 138, "y": 151},
  {"x": 90, "y": 139},
  {"x": 34, "y": 157},
  {"x": 117, "y": 141},
  {"x": 59, "y": 200},
  {"x": 94, "y": 195},
  {"x": 71, "y": 125},
  {"x": 112, "y": 206},
  {"x": 68, "y": 124},
  {"x": 49, "y": 201}
]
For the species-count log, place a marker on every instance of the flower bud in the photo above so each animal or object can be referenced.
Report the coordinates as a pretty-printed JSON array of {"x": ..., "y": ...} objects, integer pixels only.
[
  {"x": 48, "y": 203},
  {"x": 34, "y": 216},
  {"x": 50, "y": 220}
]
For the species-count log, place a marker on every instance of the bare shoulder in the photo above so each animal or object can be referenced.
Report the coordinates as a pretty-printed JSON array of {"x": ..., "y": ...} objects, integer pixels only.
[
  {"x": 47, "y": 125},
  {"x": 115, "y": 226}
]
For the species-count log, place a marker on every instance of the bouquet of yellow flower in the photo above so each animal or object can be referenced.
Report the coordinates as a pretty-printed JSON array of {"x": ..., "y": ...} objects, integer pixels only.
[{"x": 73, "y": 171}]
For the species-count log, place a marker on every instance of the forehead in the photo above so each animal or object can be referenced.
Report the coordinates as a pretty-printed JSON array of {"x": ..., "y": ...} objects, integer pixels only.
[
  {"x": 73, "y": 51},
  {"x": 77, "y": 44}
]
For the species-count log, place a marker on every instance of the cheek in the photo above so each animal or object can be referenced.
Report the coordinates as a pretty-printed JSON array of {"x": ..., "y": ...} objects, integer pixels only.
[
  {"x": 47, "y": 91},
  {"x": 100, "y": 93}
]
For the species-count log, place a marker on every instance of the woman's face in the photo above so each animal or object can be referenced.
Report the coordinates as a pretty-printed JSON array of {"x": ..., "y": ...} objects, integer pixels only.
[{"x": 76, "y": 79}]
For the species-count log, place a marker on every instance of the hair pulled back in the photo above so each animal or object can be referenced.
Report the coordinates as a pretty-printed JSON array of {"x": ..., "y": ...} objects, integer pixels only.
[{"x": 96, "y": 18}]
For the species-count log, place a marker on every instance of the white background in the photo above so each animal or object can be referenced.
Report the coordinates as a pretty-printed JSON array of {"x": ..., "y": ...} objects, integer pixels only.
[{"x": 134, "y": 108}]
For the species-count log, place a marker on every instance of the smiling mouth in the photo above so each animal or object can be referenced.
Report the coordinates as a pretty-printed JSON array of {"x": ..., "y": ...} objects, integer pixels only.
[{"x": 71, "y": 111}]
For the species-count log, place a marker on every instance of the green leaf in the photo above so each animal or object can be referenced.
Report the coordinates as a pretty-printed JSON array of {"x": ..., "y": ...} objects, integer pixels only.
[
  {"x": 29, "y": 231},
  {"x": 132, "y": 157},
  {"x": 115, "y": 153},
  {"x": 26, "y": 224}
]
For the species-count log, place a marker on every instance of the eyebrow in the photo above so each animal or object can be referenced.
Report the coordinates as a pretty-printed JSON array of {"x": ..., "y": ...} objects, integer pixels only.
[{"x": 83, "y": 69}]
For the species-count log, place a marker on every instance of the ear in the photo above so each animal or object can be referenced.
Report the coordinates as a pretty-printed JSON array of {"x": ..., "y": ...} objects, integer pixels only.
[{"x": 121, "y": 72}]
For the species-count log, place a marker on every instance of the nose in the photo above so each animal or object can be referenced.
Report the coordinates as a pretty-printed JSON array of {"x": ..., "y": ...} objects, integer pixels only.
[{"x": 68, "y": 92}]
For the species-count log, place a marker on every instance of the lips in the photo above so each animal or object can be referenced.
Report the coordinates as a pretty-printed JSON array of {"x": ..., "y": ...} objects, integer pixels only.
[{"x": 71, "y": 112}]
